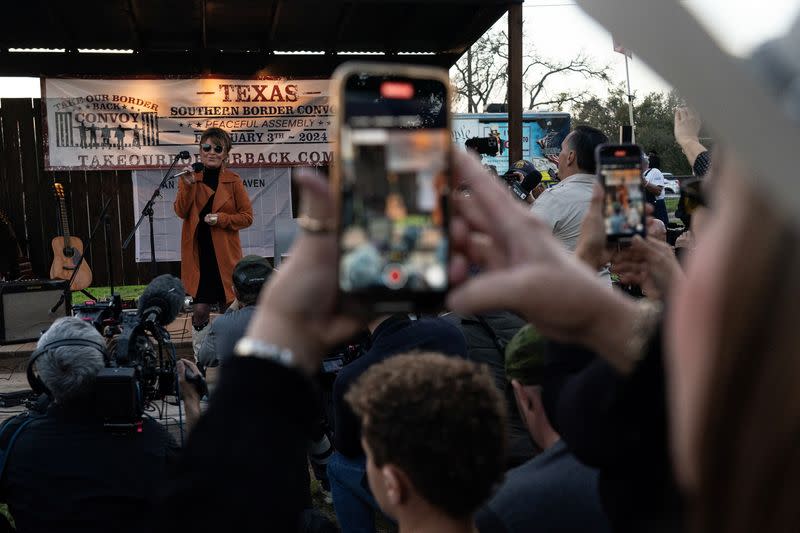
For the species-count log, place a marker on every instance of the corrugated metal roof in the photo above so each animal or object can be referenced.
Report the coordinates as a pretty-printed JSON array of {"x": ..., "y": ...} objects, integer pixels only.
[{"x": 238, "y": 37}]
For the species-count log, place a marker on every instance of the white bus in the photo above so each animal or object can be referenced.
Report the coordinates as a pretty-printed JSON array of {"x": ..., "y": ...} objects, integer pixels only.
[{"x": 542, "y": 134}]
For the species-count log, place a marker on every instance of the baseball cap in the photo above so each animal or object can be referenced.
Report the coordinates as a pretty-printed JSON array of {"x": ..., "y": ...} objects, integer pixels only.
[
  {"x": 251, "y": 271},
  {"x": 532, "y": 177},
  {"x": 524, "y": 166},
  {"x": 525, "y": 357}
]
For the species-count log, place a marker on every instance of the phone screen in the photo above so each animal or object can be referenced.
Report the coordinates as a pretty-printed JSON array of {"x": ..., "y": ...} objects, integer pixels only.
[
  {"x": 620, "y": 170},
  {"x": 394, "y": 152}
]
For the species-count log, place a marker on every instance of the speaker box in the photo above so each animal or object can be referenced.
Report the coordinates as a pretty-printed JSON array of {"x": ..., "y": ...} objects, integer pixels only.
[{"x": 25, "y": 308}]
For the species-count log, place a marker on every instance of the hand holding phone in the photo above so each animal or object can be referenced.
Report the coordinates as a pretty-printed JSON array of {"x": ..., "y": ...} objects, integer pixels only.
[{"x": 619, "y": 169}]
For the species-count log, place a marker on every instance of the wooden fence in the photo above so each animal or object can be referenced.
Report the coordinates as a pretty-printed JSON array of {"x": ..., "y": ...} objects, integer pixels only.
[{"x": 27, "y": 198}]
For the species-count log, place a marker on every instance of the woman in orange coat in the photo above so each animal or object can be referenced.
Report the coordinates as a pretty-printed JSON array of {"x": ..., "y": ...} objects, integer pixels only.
[{"x": 214, "y": 206}]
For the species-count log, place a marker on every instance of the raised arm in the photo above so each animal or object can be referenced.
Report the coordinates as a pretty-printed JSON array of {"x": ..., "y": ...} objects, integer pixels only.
[
  {"x": 185, "y": 197},
  {"x": 687, "y": 131},
  {"x": 534, "y": 276}
]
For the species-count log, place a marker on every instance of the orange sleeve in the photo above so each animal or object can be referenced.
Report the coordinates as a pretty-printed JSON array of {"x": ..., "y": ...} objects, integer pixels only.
[
  {"x": 184, "y": 200},
  {"x": 243, "y": 217}
]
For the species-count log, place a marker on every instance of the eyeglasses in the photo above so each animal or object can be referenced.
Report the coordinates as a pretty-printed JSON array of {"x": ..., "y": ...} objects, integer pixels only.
[
  {"x": 207, "y": 148},
  {"x": 693, "y": 195}
]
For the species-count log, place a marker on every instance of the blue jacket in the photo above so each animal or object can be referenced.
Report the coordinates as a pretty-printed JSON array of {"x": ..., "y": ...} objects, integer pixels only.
[{"x": 395, "y": 335}]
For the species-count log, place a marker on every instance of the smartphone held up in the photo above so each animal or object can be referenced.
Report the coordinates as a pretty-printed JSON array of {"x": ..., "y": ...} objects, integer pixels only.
[
  {"x": 619, "y": 169},
  {"x": 392, "y": 177}
]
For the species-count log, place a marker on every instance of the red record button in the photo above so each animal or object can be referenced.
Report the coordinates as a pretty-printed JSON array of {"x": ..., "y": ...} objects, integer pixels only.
[
  {"x": 394, "y": 276},
  {"x": 397, "y": 90}
]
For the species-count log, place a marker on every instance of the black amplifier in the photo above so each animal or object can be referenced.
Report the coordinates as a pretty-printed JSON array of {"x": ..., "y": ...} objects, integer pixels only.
[{"x": 25, "y": 308}]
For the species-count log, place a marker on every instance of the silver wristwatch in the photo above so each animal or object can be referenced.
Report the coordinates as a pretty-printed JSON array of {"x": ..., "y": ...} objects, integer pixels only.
[{"x": 249, "y": 347}]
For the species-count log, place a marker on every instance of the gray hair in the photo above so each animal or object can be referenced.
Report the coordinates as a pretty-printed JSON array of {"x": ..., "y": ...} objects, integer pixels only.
[{"x": 70, "y": 371}]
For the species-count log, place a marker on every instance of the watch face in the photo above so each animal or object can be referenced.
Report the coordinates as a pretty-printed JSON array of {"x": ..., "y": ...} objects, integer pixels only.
[
  {"x": 243, "y": 347},
  {"x": 247, "y": 347}
]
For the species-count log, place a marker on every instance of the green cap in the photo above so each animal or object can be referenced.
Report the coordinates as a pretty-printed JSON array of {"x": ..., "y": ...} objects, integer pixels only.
[{"x": 525, "y": 359}]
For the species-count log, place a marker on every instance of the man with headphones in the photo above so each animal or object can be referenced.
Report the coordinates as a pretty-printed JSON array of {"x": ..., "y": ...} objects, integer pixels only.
[{"x": 63, "y": 470}]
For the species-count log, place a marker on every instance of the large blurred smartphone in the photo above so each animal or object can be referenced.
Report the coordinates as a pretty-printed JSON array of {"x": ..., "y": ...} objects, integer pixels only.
[
  {"x": 619, "y": 167},
  {"x": 392, "y": 172}
]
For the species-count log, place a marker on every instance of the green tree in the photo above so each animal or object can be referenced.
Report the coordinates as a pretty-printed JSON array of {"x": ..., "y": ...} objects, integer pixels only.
[{"x": 653, "y": 118}]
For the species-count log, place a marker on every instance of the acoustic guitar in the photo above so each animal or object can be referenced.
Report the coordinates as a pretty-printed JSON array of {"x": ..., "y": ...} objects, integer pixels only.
[
  {"x": 11, "y": 270},
  {"x": 68, "y": 250}
]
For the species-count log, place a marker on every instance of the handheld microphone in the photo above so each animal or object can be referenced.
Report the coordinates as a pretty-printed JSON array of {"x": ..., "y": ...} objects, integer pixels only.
[
  {"x": 162, "y": 300},
  {"x": 196, "y": 167}
]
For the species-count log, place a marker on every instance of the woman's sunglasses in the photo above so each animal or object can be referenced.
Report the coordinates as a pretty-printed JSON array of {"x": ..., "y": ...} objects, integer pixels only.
[
  {"x": 693, "y": 195},
  {"x": 207, "y": 148}
]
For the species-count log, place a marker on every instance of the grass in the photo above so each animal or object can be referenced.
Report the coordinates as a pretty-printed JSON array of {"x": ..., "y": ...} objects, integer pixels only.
[
  {"x": 672, "y": 204},
  {"x": 127, "y": 292},
  {"x": 7, "y": 514}
]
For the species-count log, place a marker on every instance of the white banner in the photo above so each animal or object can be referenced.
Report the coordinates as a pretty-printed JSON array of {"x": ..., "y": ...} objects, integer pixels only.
[
  {"x": 140, "y": 124},
  {"x": 270, "y": 192}
]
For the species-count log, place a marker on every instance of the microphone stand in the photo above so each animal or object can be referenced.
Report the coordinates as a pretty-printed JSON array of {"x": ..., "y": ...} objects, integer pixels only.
[
  {"x": 66, "y": 296},
  {"x": 109, "y": 257},
  {"x": 148, "y": 212}
]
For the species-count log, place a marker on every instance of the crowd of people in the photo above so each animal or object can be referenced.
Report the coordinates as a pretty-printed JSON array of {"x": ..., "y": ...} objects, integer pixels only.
[{"x": 571, "y": 386}]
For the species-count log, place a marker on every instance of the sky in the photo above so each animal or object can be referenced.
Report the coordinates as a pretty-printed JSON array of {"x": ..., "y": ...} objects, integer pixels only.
[{"x": 559, "y": 29}]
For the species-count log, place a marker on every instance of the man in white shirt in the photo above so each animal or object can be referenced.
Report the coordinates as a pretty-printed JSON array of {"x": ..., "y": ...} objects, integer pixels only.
[
  {"x": 564, "y": 205},
  {"x": 654, "y": 183}
]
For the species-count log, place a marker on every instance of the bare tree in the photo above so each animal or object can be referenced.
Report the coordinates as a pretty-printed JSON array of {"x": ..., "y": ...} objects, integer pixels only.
[
  {"x": 538, "y": 71},
  {"x": 478, "y": 74},
  {"x": 482, "y": 74}
]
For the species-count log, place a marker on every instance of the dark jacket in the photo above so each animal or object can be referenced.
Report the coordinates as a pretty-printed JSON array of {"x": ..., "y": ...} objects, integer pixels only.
[
  {"x": 487, "y": 335},
  {"x": 551, "y": 492},
  {"x": 618, "y": 425},
  {"x": 66, "y": 472},
  {"x": 223, "y": 334},
  {"x": 248, "y": 450},
  {"x": 395, "y": 335}
]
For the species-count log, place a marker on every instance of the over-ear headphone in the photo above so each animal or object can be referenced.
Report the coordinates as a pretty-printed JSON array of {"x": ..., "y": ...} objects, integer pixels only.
[{"x": 36, "y": 383}]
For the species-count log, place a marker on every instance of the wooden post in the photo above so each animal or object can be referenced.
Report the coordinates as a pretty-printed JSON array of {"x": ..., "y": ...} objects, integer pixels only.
[
  {"x": 470, "y": 109},
  {"x": 514, "y": 82}
]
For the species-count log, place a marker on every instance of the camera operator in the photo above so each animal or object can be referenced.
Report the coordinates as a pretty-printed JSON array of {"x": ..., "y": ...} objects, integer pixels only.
[
  {"x": 529, "y": 179},
  {"x": 249, "y": 275},
  {"x": 66, "y": 471}
]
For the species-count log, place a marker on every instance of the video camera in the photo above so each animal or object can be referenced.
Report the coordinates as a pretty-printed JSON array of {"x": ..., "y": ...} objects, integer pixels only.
[
  {"x": 491, "y": 145},
  {"x": 517, "y": 189},
  {"x": 340, "y": 357},
  {"x": 100, "y": 314},
  {"x": 140, "y": 359}
]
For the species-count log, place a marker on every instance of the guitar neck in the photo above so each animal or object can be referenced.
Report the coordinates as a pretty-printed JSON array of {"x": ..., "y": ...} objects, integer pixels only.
[{"x": 64, "y": 221}]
